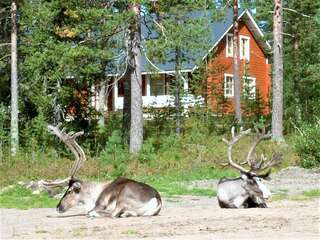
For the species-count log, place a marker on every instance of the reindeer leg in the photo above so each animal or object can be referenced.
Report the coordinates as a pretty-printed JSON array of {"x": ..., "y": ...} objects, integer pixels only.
[
  {"x": 117, "y": 211},
  {"x": 98, "y": 211}
]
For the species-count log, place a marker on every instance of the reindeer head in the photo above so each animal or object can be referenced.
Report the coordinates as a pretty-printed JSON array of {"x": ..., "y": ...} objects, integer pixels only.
[
  {"x": 252, "y": 180},
  {"x": 72, "y": 196}
]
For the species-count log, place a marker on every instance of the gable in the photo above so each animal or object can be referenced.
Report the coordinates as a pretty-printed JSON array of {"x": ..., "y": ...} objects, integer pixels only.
[{"x": 219, "y": 30}]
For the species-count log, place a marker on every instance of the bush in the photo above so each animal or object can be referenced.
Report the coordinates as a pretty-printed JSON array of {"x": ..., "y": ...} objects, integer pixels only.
[
  {"x": 147, "y": 152},
  {"x": 307, "y": 145},
  {"x": 115, "y": 154}
]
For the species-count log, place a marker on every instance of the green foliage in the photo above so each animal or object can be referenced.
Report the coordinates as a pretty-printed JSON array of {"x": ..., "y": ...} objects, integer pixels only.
[
  {"x": 4, "y": 125},
  {"x": 302, "y": 62},
  {"x": 147, "y": 152},
  {"x": 115, "y": 154},
  {"x": 36, "y": 133},
  {"x": 65, "y": 49},
  {"x": 307, "y": 145}
]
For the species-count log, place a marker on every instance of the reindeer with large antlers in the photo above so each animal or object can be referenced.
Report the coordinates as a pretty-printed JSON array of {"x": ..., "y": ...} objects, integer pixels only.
[
  {"x": 122, "y": 197},
  {"x": 248, "y": 190}
]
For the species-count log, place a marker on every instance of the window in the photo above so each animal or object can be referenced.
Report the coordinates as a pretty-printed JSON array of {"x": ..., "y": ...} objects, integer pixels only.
[
  {"x": 158, "y": 86},
  {"x": 249, "y": 87},
  {"x": 228, "y": 86},
  {"x": 121, "y": 87},
  {"x": 229, "y": 50},
  {"x": 244, "y": 47}
]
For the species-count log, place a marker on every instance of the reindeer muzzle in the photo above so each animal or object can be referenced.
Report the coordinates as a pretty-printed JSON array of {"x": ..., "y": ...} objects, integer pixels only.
[{"x": 60, "y": 209}]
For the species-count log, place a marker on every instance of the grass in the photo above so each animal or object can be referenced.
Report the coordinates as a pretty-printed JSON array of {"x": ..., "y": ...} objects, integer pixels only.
[
  {"x": 169, "y": 185},
  {"x": 168, "y": 168},
  {"x": 176, "y": 183},
  {"x": 22, "y": 198},
  {"x": 314, "y": 193}
]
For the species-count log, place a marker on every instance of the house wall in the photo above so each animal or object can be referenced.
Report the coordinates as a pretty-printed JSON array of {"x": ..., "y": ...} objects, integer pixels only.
[{"x": 257, "y": 67}]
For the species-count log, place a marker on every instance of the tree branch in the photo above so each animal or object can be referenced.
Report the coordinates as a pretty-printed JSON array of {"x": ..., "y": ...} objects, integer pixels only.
[
  {"x": 4, "y": 44},
  {"x": 8, "y": 55},
  {"x": 295, "y": 11},
  {"x": 288, "y": 34}
]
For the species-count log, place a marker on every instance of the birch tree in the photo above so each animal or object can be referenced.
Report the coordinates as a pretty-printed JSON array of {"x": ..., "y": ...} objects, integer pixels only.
[{"x": 14, "y": 83}]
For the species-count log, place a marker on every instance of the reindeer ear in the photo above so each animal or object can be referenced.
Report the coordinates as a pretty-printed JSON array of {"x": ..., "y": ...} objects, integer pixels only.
[
  {"x": 244, "y": 176},
  {"x": 77, "y": 186}
]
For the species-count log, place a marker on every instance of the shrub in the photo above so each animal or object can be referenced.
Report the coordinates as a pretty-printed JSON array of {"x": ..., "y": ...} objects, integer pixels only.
[
  {"x": 307, "y": 145},
  {"x": 115, "y": 154},
  {"x": 147, "y": 152}
]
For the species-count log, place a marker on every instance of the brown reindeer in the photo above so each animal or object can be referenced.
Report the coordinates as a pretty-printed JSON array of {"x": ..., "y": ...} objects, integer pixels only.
[
  {"x": 122, "y": 197},
  {"x": 248, "y": 190}
]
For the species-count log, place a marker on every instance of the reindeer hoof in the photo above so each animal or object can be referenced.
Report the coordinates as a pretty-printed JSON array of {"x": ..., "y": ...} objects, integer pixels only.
[
  {"x": 262, "y": 205},
  {"x": 93, "y": 214}
]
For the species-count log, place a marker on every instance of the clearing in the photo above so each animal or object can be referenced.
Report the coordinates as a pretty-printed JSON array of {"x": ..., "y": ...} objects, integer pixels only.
[{"x": 186, "y": 217}]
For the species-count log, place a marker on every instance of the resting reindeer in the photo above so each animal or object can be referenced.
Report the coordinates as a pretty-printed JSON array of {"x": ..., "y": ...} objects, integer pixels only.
[
  {"x": 248, "y": 190},
  {"x": 122, "y": 197}
]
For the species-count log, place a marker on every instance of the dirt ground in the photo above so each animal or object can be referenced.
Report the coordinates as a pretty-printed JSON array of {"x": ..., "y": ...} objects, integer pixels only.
[{"x": 186, "y": 217}]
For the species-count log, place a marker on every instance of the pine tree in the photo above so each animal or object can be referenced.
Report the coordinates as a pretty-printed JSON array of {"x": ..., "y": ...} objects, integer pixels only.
[
  {"x": 135, "y": 60},
  {"x": 277, "y": 86},
  {"x": 183, "y": 37},
  {"x": 66, "y": 48},
  {"x": 236, "y": 63}
]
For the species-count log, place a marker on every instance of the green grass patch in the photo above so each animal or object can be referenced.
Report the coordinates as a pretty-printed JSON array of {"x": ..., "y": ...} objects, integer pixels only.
[
  {"x": 22, "y": 198},
  {"x": 312, "y": 193},
  {"x": 315, "y": 193},
  {"x": 175, "y": 183}
]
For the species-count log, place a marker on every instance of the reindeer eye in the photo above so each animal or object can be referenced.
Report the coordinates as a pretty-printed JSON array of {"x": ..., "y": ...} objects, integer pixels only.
[{"x": 77, "y": 190}]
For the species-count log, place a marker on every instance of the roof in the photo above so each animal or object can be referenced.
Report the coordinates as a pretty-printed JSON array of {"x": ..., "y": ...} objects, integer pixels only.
[{"x": 218, "y": 28}]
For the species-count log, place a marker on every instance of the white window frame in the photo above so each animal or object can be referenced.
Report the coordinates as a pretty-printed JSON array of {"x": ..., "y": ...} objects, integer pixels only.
[
  {"x": 253, "y": 91},
  {"x": 153, "y": 81},
  {"x": 245, "y": 55},
  {"x": 227, "y": 45},
  {"x": 228, "y": 95}
]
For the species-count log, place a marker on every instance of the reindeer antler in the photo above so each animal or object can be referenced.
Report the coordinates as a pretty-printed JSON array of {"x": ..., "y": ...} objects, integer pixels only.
[
  {"x": 69, "y": 140},
  {"x": 231, "y": 143},
  {"x": 262, "y": 165},
  {"x": 250, "y": 160},
  {"x": 254, "y": 165}
]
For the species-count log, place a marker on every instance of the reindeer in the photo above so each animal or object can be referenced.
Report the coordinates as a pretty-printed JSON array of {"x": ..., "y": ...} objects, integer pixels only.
[
  {"x": 248, "y": 190},
  {"x": 122, "y": 197}
]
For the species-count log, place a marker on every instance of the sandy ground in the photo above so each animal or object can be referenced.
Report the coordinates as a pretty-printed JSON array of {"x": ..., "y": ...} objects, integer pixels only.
[
  {"x": 185, "y": 218},
  {"x": 181, "y": 218}
]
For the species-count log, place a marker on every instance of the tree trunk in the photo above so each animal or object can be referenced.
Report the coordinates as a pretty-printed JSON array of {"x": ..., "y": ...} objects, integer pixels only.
[
  {"x": 236, "y": 63},
  {"x": 126, "y": 119},
  {"x": 296, "y": 85},
  {"x": 177, "y": 92},
  {"x": 277, "y": 105},
  {"x": 136, "y": 123},
  {"x": 102, "y": 102},
  {"x": 14, "y": 83}
]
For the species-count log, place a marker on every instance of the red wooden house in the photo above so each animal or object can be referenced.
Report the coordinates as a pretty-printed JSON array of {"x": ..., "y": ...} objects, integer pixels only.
[{"x": 255, "y": 70}]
